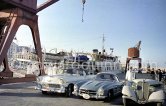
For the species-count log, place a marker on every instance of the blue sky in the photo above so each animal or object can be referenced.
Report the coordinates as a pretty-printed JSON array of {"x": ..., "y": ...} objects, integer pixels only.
[{"x": 124, "y": 23}]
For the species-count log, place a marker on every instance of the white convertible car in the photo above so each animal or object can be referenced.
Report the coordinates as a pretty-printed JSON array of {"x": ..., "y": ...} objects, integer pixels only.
[
  {"x": 143, "y": 91},
  {"x": 62, "y": 83}
]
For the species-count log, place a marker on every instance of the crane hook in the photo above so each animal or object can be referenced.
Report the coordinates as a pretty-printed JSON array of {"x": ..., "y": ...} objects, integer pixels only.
[{"x": 83, "y": 1}]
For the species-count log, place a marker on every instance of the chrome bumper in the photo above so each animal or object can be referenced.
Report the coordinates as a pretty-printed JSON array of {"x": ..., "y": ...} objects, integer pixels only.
[
  {"x": 143, "y": 102},
  {"x": 92, "y": 96},
  {"x": 51, "y": 89}
]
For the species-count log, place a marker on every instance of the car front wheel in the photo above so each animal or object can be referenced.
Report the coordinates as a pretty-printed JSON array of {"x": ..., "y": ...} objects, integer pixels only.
[
  {"x": 125, "y": 102},
  {"x": 44, "y": 92},
  {"x": 159, "y": 104},
  {"x": 109, "y": 96},
  {"x": 69, "y": 91}
]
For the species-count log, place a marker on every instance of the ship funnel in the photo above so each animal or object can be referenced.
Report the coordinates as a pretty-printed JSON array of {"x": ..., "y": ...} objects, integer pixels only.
[{"x": 95, "y": 51}]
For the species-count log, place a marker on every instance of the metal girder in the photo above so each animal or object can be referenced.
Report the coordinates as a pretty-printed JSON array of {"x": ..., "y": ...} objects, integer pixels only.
[
  {"x": 19, "y": 18},
  {"x": 23, "y": 13},
  {"x": 46, "y": 4},
  {"x": 27, "y": 5}
]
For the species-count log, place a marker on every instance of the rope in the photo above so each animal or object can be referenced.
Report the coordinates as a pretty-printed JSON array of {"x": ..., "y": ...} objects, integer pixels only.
[
  {"x": 83, "y": 13},
  {"x": 83, "y": 2}
]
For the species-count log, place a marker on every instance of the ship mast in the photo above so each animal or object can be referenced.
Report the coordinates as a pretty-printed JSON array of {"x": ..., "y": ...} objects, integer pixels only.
[{"x": 103, "y": 40}]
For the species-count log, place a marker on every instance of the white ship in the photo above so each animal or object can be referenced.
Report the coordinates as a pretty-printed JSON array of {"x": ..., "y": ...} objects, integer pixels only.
[
  {"x": 105, "y": 62},
  {"x": 94, "y": 62}
]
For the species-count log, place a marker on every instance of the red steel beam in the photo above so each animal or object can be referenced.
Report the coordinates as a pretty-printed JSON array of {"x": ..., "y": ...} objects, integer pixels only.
[
  {"x": 46, "y": 4},
  {"x": 28, "y": 5}
]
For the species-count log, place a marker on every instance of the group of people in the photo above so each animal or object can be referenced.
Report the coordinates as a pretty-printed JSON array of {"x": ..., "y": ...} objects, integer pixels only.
[
  {"x": 130, "y": 74},
  {"x": 53, "y": 69},
  {"x": 158, "y": 74}
]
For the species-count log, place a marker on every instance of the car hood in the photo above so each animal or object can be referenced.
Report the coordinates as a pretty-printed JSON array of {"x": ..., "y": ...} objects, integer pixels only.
[
  {"x": 149, "y": 81},
  {"x": 94, "y": 85},
  {"x": 55, "y": 79}
]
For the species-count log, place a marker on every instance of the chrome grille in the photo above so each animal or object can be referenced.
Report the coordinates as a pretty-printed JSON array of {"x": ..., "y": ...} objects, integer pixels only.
[
  {"x": 84, "y": 91},
  {"x": 142, "y": 91},
  {"x": 54, "y": 85},
  {"x": 51, "y": 85}
]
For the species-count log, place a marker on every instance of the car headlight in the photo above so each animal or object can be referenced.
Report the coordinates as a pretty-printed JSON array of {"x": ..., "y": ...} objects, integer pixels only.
[
  {"x": 38, "y": 79},
  {"x": 75, "y": 88},
  {"x": 138, "y": 87},
  {"x": 39, "y": 86},
  {"x": 100, "y": 91},
  {"x": 61, "y": 81}
]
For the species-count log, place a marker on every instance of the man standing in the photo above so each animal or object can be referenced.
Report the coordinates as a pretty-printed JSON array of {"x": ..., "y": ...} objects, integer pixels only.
[
  {"x": 96, "y": 70},
  {"x": 159, "y": 75},
  {"x": 130, "y": 74},
  {"x": 56, "y": 69},
  {"x": 29, "y": 68},
  {"x": 152, "y": 72}
]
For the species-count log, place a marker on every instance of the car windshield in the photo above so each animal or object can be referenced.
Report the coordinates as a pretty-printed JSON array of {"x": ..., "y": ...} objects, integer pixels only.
[
  {"x": 75, "y": 72},
  {"x": 105, "y": 76},
  {"x": 144, "y": 76},
  {"x": 157, "y": 86}
]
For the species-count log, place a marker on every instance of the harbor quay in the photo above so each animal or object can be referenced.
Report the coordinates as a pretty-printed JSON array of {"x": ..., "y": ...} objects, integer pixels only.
[{"x": 25, "y": 94}]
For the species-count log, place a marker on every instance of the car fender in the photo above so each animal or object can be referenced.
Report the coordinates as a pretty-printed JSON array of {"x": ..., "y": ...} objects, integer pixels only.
[
  {"x": 157, "y": 96},
  {"x": 109, "y": 87},
  {"x": 66, "y": 84},
  {"x": 106, "y": 88},
  {"x": 128, "y": 93},
  {"x": 80, "y": 83}
]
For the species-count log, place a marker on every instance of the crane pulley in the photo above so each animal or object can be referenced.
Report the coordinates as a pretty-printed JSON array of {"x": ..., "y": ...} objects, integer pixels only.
[{"x": 83, "y": 1}]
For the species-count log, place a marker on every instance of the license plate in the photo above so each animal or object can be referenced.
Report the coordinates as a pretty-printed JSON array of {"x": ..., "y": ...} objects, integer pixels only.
[{"x": 86, "y": 96}]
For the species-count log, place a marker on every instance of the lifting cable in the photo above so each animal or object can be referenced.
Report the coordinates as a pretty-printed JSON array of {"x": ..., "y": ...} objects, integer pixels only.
[{"x": 83, "y": 2}]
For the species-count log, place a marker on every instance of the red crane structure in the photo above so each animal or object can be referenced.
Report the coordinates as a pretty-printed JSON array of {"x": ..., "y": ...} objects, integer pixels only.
[
  {"x": 13, "y": 14},
  {"x": 134, "y": 54}
]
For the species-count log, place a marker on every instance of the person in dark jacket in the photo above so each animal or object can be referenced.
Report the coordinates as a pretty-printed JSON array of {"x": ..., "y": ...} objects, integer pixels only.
[
  {"x": 159, "y": 74},
  {"x": 96, "y": 71},
  {"x": 152, "y": 73}
]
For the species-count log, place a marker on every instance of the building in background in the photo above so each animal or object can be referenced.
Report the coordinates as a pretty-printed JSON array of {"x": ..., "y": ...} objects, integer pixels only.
[
  {"x": 25, "y": 53},
  {"x": 14, "y": 48}
]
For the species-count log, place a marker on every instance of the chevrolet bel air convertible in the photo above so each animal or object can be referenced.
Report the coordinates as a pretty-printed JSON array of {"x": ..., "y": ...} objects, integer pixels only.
[
  {"x": 62, "y": 83},
  {"x": 104, "y": 86}
]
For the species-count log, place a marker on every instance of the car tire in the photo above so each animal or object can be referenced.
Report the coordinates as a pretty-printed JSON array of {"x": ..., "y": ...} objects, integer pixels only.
[
  {"x": 159, "y": 104},
  {"x": 109, "y": 95},
  {"x": 125, "y": 102},
  {"x": 69, "y": 91},
  {"x": 44, "y": 92}
]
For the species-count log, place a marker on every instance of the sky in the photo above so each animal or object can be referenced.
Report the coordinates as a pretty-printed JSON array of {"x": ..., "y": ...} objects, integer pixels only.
[{"x": 123, "y": 23}]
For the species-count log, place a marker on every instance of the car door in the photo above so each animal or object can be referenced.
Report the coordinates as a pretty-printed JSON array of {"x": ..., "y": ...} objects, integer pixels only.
[{"x": 117, "y": 85}]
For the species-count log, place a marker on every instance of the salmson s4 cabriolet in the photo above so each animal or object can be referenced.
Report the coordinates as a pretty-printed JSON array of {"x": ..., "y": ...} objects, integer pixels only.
[{"x": 143, "y": 91}]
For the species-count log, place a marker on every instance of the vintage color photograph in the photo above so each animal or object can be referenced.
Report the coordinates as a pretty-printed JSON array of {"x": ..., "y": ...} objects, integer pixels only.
[{"x": 82, "y": 52}]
